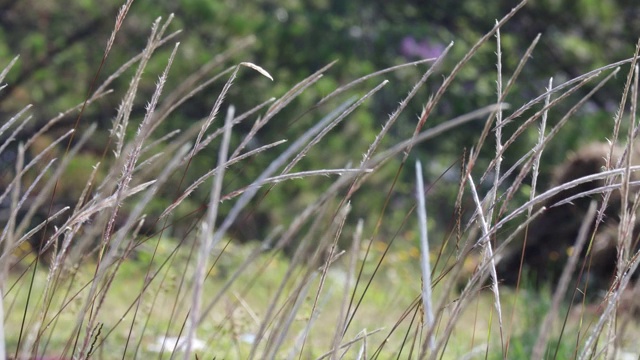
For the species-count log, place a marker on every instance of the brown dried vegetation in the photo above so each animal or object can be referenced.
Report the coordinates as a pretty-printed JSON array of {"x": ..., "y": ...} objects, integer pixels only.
[{"x": 550, "y": 238}]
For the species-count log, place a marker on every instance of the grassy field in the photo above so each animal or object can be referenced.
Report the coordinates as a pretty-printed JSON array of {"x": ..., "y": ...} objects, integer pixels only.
[
  {"x": 136, "y": 318},
  {"x": 105, "y": 288}
]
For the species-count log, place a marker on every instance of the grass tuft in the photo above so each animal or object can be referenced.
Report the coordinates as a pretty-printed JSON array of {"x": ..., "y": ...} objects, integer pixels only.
[{"x": 95, "y": 265}]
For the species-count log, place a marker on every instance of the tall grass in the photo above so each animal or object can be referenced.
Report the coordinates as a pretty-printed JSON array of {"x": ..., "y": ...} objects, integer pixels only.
[{"x": 101, "y": 289}]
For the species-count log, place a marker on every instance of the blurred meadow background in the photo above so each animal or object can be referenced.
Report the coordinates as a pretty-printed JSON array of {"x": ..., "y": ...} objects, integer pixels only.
[{"x": 227, "y": 179}]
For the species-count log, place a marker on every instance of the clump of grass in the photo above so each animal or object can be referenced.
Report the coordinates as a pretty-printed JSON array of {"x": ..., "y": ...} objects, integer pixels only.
[{"x": 201, "y": 295}]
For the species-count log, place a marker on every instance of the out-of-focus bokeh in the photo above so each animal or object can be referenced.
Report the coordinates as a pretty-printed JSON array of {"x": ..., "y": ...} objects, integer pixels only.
[{"x": 61, "y": 45}]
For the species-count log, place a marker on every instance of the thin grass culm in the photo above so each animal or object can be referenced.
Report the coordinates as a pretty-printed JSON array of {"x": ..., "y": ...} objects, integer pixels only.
[{"x": 424, "y": 258}]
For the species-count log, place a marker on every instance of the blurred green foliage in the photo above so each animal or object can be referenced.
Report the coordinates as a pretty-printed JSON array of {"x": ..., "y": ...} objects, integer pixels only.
[{"x": 61, "y": 45}]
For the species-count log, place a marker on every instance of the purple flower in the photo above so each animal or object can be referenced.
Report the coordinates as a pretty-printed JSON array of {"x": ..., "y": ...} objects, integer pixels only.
[{"x": 411, "y": 48}]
